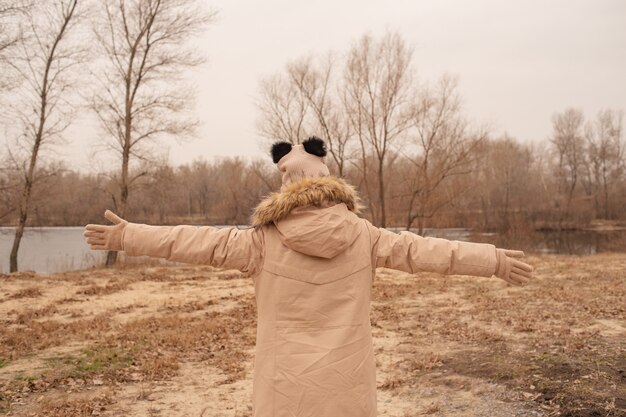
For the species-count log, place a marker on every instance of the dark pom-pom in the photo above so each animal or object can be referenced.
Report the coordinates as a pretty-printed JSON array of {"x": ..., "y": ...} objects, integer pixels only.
[
  {"x": 280, "y": 149},
  {"x": 315, "y": 146}
]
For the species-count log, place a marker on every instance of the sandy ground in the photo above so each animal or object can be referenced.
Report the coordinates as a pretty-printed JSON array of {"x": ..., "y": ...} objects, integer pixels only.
[{"x": 179, "y": 341}]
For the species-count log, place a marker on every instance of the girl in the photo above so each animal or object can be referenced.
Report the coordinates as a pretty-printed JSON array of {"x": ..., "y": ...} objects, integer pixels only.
[{"x": 312, "y": 261}]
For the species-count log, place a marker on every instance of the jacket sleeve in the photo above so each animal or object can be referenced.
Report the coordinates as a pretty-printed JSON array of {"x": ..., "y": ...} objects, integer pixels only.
[
  {"x": 227, "y": 247},
  {"x": 409, "y": 252}
]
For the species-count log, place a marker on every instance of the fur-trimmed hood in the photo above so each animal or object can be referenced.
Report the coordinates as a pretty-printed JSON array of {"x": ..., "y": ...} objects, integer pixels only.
[
  {"x": 320, "y": 192},
  {"x": 313, "y": 216}
]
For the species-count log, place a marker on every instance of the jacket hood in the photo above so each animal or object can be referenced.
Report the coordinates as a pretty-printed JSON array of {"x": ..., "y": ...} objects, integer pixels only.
[
  {"x": 307, "y": 192},
  {"x": 314, "y": 216}
]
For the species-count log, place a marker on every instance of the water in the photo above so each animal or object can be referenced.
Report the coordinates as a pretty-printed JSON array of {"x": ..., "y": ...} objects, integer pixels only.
[
  {"x": 58, "y": 249},
  {"x": 578, "y": 242},
  {"x": 49, "y": 249}
]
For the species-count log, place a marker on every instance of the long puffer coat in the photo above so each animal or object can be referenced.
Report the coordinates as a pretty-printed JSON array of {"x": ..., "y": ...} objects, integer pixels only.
[{"x": 312, "y": 261}]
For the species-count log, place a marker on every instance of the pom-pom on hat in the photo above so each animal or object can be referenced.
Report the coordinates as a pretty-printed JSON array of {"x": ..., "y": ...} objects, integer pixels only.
[{"x": 300, "y": 161}]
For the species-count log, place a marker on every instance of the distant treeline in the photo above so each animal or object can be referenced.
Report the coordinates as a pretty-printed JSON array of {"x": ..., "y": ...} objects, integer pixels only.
[{"x": 504, "y": 186}]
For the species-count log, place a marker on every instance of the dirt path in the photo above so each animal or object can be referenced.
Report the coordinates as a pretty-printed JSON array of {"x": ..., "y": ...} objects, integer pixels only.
[{"x": 179, "y": 341}]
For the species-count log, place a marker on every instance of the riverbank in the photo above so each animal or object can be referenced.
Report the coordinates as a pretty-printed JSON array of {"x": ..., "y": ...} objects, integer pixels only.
[
  {"x": 597, "y": 225},
  {"x": 179, "y": 341},
  {"x": 53, "y": 250}
]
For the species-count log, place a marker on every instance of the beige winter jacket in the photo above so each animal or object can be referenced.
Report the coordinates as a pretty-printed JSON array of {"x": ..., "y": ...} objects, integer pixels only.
[{"x": 312, "y": 261}]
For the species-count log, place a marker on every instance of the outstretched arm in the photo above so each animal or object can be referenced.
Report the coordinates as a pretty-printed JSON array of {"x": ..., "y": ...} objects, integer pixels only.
[
  {"x": 412, "y": 253},
  {"x": 227, "y": 247}
]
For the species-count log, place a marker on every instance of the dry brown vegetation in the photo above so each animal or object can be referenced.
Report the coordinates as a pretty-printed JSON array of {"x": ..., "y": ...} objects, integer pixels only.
[
  {"x": 179, "y": 341},
  {"x": 30, "y": 292}
]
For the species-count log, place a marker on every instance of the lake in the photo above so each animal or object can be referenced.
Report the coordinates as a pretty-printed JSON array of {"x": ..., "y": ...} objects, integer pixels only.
[
  {"x": 49, "y": 249},
  {"x": 57, "y": 249}
]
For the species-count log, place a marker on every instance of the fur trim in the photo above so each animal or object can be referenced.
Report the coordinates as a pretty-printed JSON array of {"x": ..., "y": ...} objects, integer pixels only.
[{"x": 303, "y": 193}]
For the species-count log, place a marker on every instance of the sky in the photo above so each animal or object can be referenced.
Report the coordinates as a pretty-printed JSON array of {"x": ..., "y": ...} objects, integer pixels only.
[{"x": 517, "y": 62}]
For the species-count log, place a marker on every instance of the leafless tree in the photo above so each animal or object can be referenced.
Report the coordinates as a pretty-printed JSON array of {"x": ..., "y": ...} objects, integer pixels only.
[
  {"x": 506, "y": 182},
  {"x": 9, "y": 184},
  {"x": 43, "y": 60},
  {"x": 14, "y": 20},
  {"x": 379, "y": 97},
  {"x": 445, "y": 148},
  {"x": 267, "y": 177},
  {"x": 12, "y": 13},
  {"x": 201, "y": 191},
  {"x": 605, "y": 154},
  {"x": 283, "y": 108},
  {"x": 318, "y": 84},
  {"x": 568, "y": 141},
  {"x": 305, "y": 101},
  {"x": 162, "y": 189},
  {"x": 141, "y": 96}
]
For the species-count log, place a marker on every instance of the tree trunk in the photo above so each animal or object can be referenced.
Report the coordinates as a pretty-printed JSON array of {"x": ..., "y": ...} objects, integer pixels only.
[
  {"x": 366, "y": 181},
  {"x": 485, "y": 213},
  {"x": 112, "y": 255},
  {"x": 505, "y": 217},
  {"x": 111, "y": 258},
  {"x": 409, "y": 222},
  {"x": 410, "y": 218},
  {"x": 30, "y": 174},
  {"x": 128, "y": 125},
  {"x": 606, "y": 192},
  {"x": 421, "y": 225},
  {"x": 24, "y": 203},
  {"x": 43, "y": 92},
  {"x": 381, "y": 193},
  {"x": 607, "y": 214},
  {"x": 19, "y": 232}
]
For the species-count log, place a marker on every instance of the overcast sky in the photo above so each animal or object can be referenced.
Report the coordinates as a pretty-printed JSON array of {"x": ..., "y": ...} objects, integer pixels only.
[{"x": 517, "y": 62}]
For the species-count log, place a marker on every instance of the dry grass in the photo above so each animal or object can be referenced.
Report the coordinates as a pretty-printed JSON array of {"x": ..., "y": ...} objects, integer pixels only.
[
  {"x": 80, "y": 405},
  {"x": 186, "y": 307},
  {"x": 36, "y": 334},
  {"x": 561, "y": 338},
  {"x": 29, "y": 292},
  {"x": 431, "y": 409},
  {"x": 453, "y": 346},
  {"x": 30, "y": 314},
  {"x": 103, "y": 289}
]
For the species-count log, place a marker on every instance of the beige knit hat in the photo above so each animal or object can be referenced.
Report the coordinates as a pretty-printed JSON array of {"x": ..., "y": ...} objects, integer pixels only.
[{"x": 300, "y": 161}]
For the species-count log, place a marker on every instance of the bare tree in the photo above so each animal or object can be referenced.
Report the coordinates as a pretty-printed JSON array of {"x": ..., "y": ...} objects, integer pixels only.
[
  {"x": 162, "y": 189},
  {"x": 42, "y": 61},
  {"x": 9, "y": 193},
  {"x": 605, "y": 153},
  {"x": 140, "y": 96},
  {"x": 317, "y": 83},
  {"x": 568, "y": 141},
  {"x": 11, "y": 17},
  {"x": 14, "y": 16},
  {"x": 379, "y": 97},
  {"x": 283, "y": 108},
  {"x": 267, "y": 177},
  {"x": 306, "y": 101},
  {"x": 506, "y": 182},
  {"x": 445, "y": 148},
  {"x": 200, "y": 186},
  {"x": 365, "y": 109}
]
